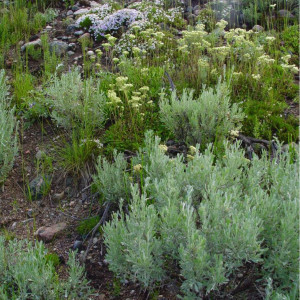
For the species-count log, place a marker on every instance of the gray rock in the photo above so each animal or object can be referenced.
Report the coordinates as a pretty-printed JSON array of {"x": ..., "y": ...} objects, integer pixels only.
[
  {"x": 283, "y": 13},
  {"x": 81, "y": 11},
  {"x": 70, "y": 53},
  {"x": 72, "y": 47},
  {"x": 59, "y": 47},
  {"x": 257, "y": 28},
  {"x": 65, "y": 38},
  {"x": 38, "y": 187},
  {"x": 78, "y": 33},
  {"x": 84, "y": 36},
  {"x": 36, "y": 44},
  {"x": 29, "y": 213},
  {"x": 75, "y": 8},
  {"x": 90, "y": 53},
  {"x": 197, "y": 12},
  {"x": 196, "y": 7},
  {"x": 72, "y": 28},
  {"x": 78, "y": 245},
  {"x": 69, "y": 13}
]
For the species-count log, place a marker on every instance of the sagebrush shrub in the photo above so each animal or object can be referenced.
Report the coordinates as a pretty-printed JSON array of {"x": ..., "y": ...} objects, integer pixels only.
[
  {"x": 8, "y": 130},
  {"x": 200, "y": 120},
  {"x": 25, "y": 273},
  {"x": 75, "y": 101},
  {"x": 209, "y": 217},
  {"x": 111, "y": 179}
]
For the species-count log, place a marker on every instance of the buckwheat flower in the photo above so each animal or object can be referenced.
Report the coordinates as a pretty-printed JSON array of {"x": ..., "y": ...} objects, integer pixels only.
[
  {"x": 286, "y": 58},
  {"x": 112, "y": 40},
  {"x": 247, "y": 56},
  {"x": 192, "y": 150},
  {"x": 98, "y": 66},
  {"x": 106, "y": 46},
  {"x": 234, "y": 133},
  {"x": 136, "y": 50},
  {"x": 125, "y": 52},
  {"x": 273, "y": 5},
  {"x": 270, "y": 39},
  {"x": 121, "y": 80},
  {"x": 222, "y": 24},
  {"x": 163, "y": 148},
  {"x": 144, "y": 71},
  {"x": 236, "y": 74},
  {"x": 150, "y": 102},
  {"x": 256, "y": 76},
  {"x": 115, "y": 60},
  {"x": 189, "y": 157},
  {"x": 131, "y": 36},
  {"x": 144, "y": 89},
  {"x": 136, "y": 93},
  {"x": 93, "y": 58},
  {"x": 203, "y": 63},
  {"x": 112, "y": 96},
  {"x": 137, "y": 168},
  {"x": 134, "y": 99},
  {"x": 99, "y": 52}
]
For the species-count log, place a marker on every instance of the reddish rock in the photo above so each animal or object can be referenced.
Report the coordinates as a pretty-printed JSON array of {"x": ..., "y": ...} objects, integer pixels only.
[{"x": 48, "y": 233}]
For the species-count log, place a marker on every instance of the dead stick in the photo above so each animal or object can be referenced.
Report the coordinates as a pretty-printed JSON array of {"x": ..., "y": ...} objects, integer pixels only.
[{"x": 102, "y": 220}]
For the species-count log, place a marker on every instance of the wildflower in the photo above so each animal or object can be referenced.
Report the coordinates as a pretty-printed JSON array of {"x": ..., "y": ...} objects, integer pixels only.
[
  {"x": 137, "y": 168},
  {"x": 270, "y": 39},
  {"x": 125, "y": 53},
  {"x": 192, "y": 150},
  {"x": 112, "y": 40},
  {"x": 106, "y": 46},
  {"x": 189, "y": 157},
  {"x": 273, "y": 5},
  {"x": 150, "y": 102},
  {"x": 99, "y": 52},
  {"x": 234, "y": 133},
  {"x": 144, "y": 71},
  {"x": 144, "y": 89},
  {"x": 115, "y": 60},
  {"x": 163, "y": 148},
  {"x": 112, "y": 96},
  {"x": 131, "y": 36},
  {"x": 120, "y": 81},
  {"x": 136, "y": 50},
  {"x": 256, "y": 76}
]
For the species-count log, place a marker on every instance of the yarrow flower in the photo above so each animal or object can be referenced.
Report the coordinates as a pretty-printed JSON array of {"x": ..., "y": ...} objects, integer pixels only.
[{"x": 163, "y": 148}]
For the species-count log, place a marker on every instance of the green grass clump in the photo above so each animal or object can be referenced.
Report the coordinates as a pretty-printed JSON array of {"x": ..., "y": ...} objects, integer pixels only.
[{"x": 87, "y": 225}]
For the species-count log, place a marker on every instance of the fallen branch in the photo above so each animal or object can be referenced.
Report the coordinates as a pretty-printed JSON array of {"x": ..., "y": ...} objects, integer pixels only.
[{"x": 95, "y": 229}]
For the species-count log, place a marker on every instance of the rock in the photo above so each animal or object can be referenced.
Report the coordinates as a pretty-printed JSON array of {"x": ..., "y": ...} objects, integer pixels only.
[
  {"x": 69, "y": 13},
  {"x": 59, "y": 47},
  {"x": 101, "y": 297},
  {"x": 47, "y": 234},
  {"x": 38, "y": 187},
  {"x": 258, "y": 148},
  {"x": 90, "y": 53},
  {"x": 75, "y": 8},
  {"x": 13, "y": 226},
  {"x": 36, "y": 44},
  {"x": 81, "y": 11},
  {"x": 78, "y": 33},
  {"x": 48, "y": 27},
  {"x": 197, "y": 12},
  {"x": 196, "y": 7},
  {"x": 40, "y": 154},
  {"x": 257, "y": 28},
  {"x": 78, "y": 245},
  {"x": 33, "y": 37},
  {"x": 84, "y": 3},
  {"x": 288, "y": 147},
  {"x": 95, "y": 240},
  {"x": 58, "y": 196},
  {"x": 283, "y": 13},
  {"x": 72, "y": 28},
  {"x": 30, "y": 213},
  {"x": 70, "y": 53},
  {"x": 72, "y": 47},
  {"x": 84, "y": 36},
  {"x": 64, "y": 38},
  {"x": 94, "y": 4}
]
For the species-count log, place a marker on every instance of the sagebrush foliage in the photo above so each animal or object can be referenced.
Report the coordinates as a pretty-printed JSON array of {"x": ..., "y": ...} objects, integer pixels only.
[
  {"x": 200, "y": 120},
  {"x": 73, "y": 100},
  {"x": 8, "y": 130},
  {"x": 26, "y": 273},
  {"x": 208, "y": 218}
]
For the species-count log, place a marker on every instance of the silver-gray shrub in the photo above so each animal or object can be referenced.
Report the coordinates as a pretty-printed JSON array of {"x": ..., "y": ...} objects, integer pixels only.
[
  {"x": 134, "y": 236},
  {"x": 8, "y": 130},
  {"x": 72, "y": 100},
  {"x": 212, "y": 216},
  {"x": 198, "y": 120},
  {"x": 111, "y": 179},
  {"x": 25, "y": 273}
]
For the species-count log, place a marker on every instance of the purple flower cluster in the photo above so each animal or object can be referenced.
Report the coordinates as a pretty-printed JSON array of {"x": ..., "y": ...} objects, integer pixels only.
[{"x": 115, "y": 21}]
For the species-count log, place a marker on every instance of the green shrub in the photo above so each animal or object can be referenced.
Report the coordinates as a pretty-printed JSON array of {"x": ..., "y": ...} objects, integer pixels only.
[
  {"x": 204, "y": 220},
  {"x": 199, "y": 120},
  {"x": 74, "y": 101},
  {"x": 27, "y": 272},
  {"x": 111, "y": 179},
  {"x": 8, "y": 131}
]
